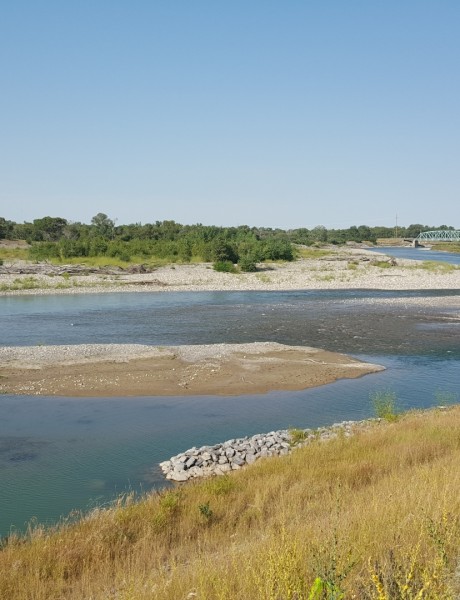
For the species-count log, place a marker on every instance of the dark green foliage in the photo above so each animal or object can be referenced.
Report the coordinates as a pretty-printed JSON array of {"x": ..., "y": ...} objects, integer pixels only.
[
  {"x": 56, "y": 238},
  {"x": 6, "y": 228},
  {"x": 224, "y": 266},
  {"x": 278, "y": 249},
  {"x": 247, "y": 264},
  {"x": 223, "y": 251},
  {"x": 49, "y": 229},
  {"x": 103, "y": 226},
  {"x": 44, "y": 250}
]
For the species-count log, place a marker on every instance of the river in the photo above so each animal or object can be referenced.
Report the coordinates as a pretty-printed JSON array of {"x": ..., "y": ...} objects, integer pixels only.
[{"x": 59, "y": 454}]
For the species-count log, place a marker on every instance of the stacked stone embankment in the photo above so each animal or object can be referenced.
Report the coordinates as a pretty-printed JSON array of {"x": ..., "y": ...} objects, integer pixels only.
[{"x": 234, "y": 454}]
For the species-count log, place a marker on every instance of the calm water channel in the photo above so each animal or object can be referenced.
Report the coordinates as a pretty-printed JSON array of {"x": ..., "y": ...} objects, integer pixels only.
[{"x": 59, "y": 454}]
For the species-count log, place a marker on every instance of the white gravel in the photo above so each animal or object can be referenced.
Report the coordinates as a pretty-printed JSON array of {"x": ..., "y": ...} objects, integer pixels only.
[
  {"x": 35, "y": 357},
  {"x": 345, "y": 268}
]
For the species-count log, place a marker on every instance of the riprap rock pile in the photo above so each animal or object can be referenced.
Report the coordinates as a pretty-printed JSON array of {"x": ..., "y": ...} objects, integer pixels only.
[{"x": 234, "y": 454}]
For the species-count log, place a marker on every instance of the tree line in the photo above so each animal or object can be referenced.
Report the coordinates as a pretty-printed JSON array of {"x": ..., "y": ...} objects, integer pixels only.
[{"x": 57, "y": 238}]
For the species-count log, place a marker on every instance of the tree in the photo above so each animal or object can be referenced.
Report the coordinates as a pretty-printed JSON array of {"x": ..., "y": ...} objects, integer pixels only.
[
  {"x": 103, "y": 225},
  {"x": 6, "y": 228},
  {"x": 223, "y": 251},
  {"x": 414, "y": 229},
  {"x": 319, "y": 233},
  {"x": 49, "y": 229}
]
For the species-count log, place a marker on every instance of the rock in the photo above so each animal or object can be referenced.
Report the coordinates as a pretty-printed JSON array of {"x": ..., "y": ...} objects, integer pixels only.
[
  {"x": 177, "y": 476},
  {"x": 236, "y": 453},
  {"x": 191, "y": 461},
  {"x": 225, "y": 468}
]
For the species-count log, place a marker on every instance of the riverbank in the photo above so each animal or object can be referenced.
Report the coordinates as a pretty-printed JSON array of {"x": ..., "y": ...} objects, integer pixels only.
[
  {"x": 333, "y": 268},
  {"x": 135, "y": 370},
  {"x": 234, "y": 454},
  {"x": 372, "y": 515}
]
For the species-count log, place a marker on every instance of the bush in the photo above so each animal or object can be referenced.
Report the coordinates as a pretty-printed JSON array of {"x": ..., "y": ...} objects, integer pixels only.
[
  {"x": 224, "y": 266},
  {"x": 247, "y": 264},
  {"x": 43, "y": 251},
  {"x": 222, "y": 251},
  {"x": 278, "y": 249}
]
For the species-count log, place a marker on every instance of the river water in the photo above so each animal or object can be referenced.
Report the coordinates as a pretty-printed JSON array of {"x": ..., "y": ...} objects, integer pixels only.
[
  {"x": 59, "y": 454},
  {"x": 419, "y": 254}
]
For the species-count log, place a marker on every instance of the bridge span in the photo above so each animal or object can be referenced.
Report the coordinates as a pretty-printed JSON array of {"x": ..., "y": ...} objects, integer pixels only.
[{"x": 441, "y": 235}]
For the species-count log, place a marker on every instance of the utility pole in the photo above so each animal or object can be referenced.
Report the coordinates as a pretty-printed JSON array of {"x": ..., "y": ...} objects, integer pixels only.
[{"x": 396, "y": 226}]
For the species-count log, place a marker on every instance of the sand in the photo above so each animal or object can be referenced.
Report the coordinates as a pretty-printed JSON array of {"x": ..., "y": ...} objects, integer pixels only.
[{"x": 135, "y": 370}]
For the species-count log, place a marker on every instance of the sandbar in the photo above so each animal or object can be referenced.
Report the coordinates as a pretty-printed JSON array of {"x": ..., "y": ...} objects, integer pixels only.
[{"x": 113, "y": 370}]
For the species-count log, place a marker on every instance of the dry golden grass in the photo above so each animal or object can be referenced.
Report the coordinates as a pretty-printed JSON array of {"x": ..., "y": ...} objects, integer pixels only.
[{"x": 375, "y": 516}]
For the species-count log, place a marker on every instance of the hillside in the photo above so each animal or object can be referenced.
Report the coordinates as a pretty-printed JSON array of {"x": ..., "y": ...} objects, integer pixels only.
[{"x": 373, "y": 516}]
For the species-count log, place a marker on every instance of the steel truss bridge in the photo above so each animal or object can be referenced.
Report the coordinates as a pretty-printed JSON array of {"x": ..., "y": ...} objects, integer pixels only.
[{"x": 442, "y": 235}]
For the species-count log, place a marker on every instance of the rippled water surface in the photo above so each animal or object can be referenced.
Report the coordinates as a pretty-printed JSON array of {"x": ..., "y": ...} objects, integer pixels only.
[{"x": 57, "y": 454}]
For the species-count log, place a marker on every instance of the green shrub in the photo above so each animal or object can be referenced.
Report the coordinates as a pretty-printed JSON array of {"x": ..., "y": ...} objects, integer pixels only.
[
  {"x": 223, "y": 251},
  {"x": 206, "y": 511},
  {"x": 248, "y": 264},
  {"x": 224, "y": 266},
  {"x": 384, "y": 402}
]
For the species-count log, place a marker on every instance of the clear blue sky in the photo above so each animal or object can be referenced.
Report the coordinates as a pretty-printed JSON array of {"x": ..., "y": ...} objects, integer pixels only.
[{"x": 278, "y": 114}]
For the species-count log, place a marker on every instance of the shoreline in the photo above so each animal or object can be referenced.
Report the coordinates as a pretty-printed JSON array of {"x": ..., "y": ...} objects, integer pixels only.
[
  {"x": 108, "y": 370},
  {"x": 341, "y": 268}
]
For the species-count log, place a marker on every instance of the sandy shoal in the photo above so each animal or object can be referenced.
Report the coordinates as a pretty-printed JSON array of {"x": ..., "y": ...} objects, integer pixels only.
[{"x": 135, "y": 370}]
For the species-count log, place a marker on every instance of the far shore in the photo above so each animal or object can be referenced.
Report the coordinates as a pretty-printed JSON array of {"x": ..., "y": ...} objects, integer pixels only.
[
  {"x": 134, "y": 370},
  {"x": 340, "y": 268}
]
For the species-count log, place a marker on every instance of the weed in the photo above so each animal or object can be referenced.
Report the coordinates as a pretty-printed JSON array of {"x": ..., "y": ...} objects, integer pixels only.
[
  {"x": 328, "y": 277},
  {"x": 382, "y": 264},
  {"x": 26, "y": 283},
  {"x": 311, "y": 253},
  {"x": 262, "y": 277},
  {"x": 14, "y": 253},
  {"x": 297, "y": 436},
  {"x": 447, "y": 247},
  {"x": 384, "y": 403},
  {"x": 206, "y": 511},
  {"x": 434, "y": 266},
  {"x": 221, "y": 486}
]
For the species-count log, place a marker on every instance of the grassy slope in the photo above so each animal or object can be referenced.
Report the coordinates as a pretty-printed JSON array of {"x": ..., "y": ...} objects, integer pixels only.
[{"x": 373, "y": 516}]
